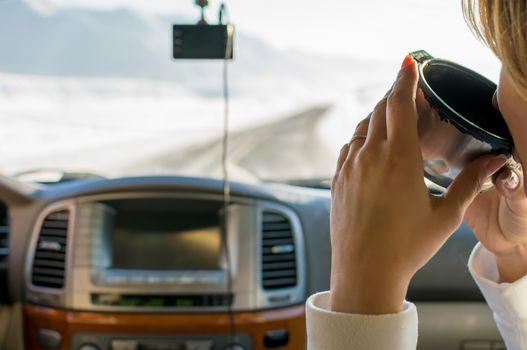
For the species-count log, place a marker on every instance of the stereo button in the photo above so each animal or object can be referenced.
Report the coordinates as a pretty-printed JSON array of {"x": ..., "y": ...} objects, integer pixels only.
[
  {"x": 276, "y": 339},
  {"x": 88, "y": 347},
  {"x": 49, "y": 339},
  {"x": 125, "y": 345}
]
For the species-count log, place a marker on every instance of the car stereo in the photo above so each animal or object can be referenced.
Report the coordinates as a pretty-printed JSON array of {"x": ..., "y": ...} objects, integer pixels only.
[
  {"x": 160, "y": 242},
  {"x": 166, "y": 253}
]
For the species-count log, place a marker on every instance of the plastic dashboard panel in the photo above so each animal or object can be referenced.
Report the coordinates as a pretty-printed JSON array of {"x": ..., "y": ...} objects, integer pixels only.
[
  {"x": 452, "y": 313},
  {"x": 445, "y": 278},
  {"x": 87, "y": 273}
]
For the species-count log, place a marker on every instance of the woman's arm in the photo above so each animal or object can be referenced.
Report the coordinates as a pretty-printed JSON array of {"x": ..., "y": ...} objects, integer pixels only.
[
  {"x": 385, "y": 226},
  {"x": 499, "y": 263},
  {"x": 508, "y": 301},
  {"x": 343, "y": 331}
]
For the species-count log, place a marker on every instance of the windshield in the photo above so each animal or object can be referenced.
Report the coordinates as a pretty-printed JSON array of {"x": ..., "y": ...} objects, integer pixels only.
[{"x": 90, "y": 86}]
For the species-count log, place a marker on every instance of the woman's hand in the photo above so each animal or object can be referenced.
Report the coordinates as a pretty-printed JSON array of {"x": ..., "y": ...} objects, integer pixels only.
[
  {"x": 384, "y": 223},
  {"x": 499, "y": 219}
]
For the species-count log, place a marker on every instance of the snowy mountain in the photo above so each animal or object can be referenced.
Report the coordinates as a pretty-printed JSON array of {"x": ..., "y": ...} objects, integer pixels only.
[{"x": 39, "y": 39}]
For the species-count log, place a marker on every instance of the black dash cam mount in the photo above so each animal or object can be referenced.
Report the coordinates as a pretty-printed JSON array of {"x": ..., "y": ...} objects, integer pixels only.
[{"x": 203, "y": 40}]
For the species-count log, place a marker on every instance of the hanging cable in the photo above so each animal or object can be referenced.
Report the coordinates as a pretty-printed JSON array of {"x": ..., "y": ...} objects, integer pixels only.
[{"x": 225, "y": 171}]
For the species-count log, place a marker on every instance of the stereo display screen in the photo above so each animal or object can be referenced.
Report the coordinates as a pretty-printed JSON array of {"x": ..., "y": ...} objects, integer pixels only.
[{"x": 166, "y": 240}]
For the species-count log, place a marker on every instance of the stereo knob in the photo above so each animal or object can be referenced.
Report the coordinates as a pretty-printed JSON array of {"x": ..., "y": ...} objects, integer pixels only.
[
  {"x": 88, "y": 347},
  {"x": 234, "y": 347}
]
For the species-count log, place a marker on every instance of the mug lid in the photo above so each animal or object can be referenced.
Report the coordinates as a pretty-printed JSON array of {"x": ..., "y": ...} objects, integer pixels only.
[{"x": 498, "y": 135}]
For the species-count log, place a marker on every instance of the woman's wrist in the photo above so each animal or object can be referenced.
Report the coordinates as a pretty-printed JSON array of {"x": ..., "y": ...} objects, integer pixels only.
[
  {"x": 512, "y": 265},
  {"x": 368, "y": 294}
]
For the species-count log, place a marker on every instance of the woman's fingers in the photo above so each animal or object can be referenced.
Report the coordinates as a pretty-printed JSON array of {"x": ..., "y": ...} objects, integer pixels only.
[
  {"x": 512, "y": 217},
  {"x": 401, "y": 117},
  {"x": 377, "y": 128},
  {"x": 509, "y": 184},
  {"x": 349, "y": 150},
  {"x": 468, "y": 183},
  {"x": 342, "y": 157},
  {"x": 358, "y": 139}
]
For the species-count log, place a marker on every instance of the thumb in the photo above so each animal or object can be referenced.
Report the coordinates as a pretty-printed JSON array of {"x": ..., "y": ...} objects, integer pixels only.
[{"x": 469, "y": 182}]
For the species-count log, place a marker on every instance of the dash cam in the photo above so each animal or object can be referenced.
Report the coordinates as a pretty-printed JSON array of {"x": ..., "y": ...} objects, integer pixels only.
[{"x": 203, "y": 41}]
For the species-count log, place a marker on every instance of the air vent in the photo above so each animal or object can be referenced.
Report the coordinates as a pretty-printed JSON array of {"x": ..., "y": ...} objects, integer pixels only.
[
  {"x": 50, "y": 254},
  {"x": 4, "y": 234},
  {"x": 278, "y": 252}
]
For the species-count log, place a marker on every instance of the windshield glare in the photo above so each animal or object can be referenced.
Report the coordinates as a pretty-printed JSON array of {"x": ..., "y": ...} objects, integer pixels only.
[{"x": 90, "y": 86}]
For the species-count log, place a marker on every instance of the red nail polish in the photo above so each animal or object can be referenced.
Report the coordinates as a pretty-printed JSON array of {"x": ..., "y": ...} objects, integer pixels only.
[{"x": 408, "y": 61}]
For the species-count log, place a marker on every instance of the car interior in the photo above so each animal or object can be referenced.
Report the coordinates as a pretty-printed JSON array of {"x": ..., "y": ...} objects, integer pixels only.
[{"x": 166, "y": 170}]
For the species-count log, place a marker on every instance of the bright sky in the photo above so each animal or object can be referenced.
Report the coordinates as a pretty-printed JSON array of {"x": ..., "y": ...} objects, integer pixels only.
[{"x": 358, "y": 28}]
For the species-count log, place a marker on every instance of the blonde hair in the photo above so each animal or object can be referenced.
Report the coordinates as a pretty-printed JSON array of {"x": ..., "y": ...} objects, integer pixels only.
[{"x": 502, "y": 26}]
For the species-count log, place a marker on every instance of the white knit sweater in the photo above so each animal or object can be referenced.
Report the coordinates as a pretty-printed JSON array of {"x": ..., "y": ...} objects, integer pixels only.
[{"x": 335, "y": 331}]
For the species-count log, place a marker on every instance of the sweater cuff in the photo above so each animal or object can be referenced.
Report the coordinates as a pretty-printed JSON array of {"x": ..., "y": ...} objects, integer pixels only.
[
  {"x": 334, "y": 330},
  {"x": 505, "y": 299}
]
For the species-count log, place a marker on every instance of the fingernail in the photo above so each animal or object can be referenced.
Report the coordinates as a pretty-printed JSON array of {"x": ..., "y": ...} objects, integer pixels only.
[
  {"x": 496, "y": 164},
  {"x": 408, "y": 61},
  {"x": 512, "y": 181}
]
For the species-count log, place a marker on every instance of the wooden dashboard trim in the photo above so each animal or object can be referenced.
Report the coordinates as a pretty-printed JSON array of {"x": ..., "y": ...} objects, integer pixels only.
[{"x": 67, "y": 323}]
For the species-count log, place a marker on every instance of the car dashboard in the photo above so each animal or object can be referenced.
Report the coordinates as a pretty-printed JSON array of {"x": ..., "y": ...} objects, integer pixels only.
[{"x": 163, "y": 263}]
